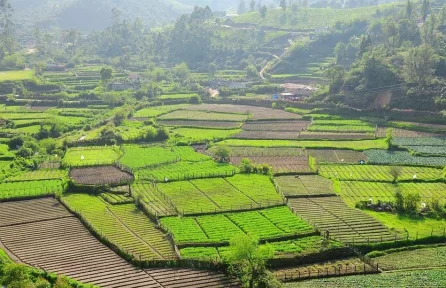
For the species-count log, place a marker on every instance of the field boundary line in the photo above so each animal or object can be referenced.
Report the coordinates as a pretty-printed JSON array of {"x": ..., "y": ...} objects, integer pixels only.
[
  {"x": 258, "y": 204},
  {"x": 36, "y": 221},
  {"x": 133, "y": 233},
  {"x": 206, "y": 196}
]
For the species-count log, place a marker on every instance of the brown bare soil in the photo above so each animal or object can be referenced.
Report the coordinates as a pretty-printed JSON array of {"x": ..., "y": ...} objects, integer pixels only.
[
  {"x": 104, "y": 175},
  {"x": 200, "y": 124},
  {"x": 280, "y": 164},
  {"x": 266, "y": 135},
  {"x": 291, "y": 126},
  {"x": 43, "y": 234},
  {"x": 335, "y": 136},
  {"x": 258, "y": 113},
  {"x": 402, "y": 133},
  {"x": 173, "y": 278}
]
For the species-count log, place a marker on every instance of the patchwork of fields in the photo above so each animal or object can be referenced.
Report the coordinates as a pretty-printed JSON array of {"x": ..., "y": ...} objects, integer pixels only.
[{"x": 181, "y": 201}]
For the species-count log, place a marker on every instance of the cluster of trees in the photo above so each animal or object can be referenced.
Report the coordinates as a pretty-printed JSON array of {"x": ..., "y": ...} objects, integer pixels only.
[{"x": 403, "y": 48}]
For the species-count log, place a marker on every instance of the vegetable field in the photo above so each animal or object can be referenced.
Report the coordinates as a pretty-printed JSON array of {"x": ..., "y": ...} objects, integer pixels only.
[
  {"x": 27, "y": 189},
  {"x": 91, "y": 156},
  {"x": 304, "y": 185},
  {"x": 402, "y": 158},
  {"x": 378, "y": 173}
]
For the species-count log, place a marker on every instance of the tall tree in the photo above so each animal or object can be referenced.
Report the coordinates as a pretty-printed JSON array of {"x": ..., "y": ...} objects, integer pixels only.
[
  {"x": 409, "y": 9},
  {"x": 252, "y": 5},
  {"x": 425, "y": 9},
  {"x": 263, "y": 11},
  {"x": 248, "y": 261},
  {"x": 6, "y": 26},
  {"x": 283, "y": 4},
  {"x": 391, "y": 31},
  {"x": 419, "y": 66},
  {"x": 241, "y": 7}
]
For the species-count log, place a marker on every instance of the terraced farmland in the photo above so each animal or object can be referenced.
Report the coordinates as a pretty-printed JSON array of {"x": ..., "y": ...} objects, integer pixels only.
[
  {"x": 61, "y": 244},
  {"x": 337, "y": 156},
  {"x": 258, "y": 113},
  {"x": 27, "y": 189},
  {"x": 202, "y": 116},
  {"x": 343, "y": 223},
  {"x": 123, "y": 225},
  {"x": 377, "y": 173},
  {"x": 290, "y": 126},
  {"x": 91, "y": 156},
  {"x": 280, "y": 164},
  {"x": 285, "y": 135},
  {"x": 264, "y": 224},
  {"x": 354, "y": 192},
  {"x": 38, "y": 175},
  {"x": 304, "y": 185},
  {"x": 104, "y": 175}
]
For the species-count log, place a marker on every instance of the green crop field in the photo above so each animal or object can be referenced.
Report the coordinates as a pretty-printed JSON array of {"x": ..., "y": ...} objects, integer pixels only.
[
  {"x": 203, "y": 116},
  {"x": 264, "y": 224},
  {"x": 16, "y": 75},
  {"x": 197, "y": 134},
  {"x": 409, "y": 279},
  {"x": 354, "y": 192},
  {"x": 378, "y": 173},
  {"x": 341, "y": 128},
  {"x": 122, "y": 225},
  {"x": 91, "y": 156},
  {"x": 402, "y": 158},
  {"x": 353, "y": 145},
  {"x": 26, "y": 189},
  {"x": 304, "y": 185},
  {"x": 157, "y": 111},
  {"x": 38, "y": 175},
  {"x": 427, "y": 150},
  {"x": 420, "y": 141},
  {"x": 185, "y": 170},
  {"x": 410, "y": 258}
]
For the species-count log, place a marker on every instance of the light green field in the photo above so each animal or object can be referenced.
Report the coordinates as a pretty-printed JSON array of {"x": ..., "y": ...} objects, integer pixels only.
[
  {"x": 353, "y": 145},
  {"x": 16, "y": 75}
]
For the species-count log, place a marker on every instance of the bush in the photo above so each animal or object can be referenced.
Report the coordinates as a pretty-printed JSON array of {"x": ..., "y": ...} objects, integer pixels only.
[{"x": 195, "y": 99}]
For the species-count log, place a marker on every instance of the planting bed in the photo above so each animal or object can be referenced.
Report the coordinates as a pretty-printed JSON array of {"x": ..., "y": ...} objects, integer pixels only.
[
  {"x": 264, "y": 224},
  {"x": 304, "y": 185},
  {"x": 342, "y": 128},
  {"x": 123, "y": 225},
  {"x": 403, "y": 158},
  {"x": 354, "y": 192},
  {"x": 262, "y": 152},
  {"x": 157, "y": 111},
  {"x": 116, "y": 199},
  {"x": 201, "y": 124},
  {"x": 343, "y": 223},
  {"x": 266, "y": 135},
  {"x": 280, "y": 164},
  {"x": 258, "y": 113},
  {"x": 203, "y": 116},
  {"x": 153, "y": 201},
  {"x": 186, "y": 170},
  {"x": 402, "y": 133},
  {"x": 348, "y": 266},
  {"x": 427, "y": 150},
  {"x": 27, "y": 189},
  {"x": 217, "y": 195},
  {"x": 38, "y": 175},
  {"x": 337, "y": 156},
  {"x": 61, "y": 244},
  {"x": 137, "y": 157},
  {"x": 91, "y": 156},
  {"x": 378, "y": 173},
  {"x": 290, "y": 126},
  {"x": 103, "y": 175},
  {"x": 335, "y": 135}
]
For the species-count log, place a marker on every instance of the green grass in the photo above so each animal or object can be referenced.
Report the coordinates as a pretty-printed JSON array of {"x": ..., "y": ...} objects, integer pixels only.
[
  {"x": 408, "y": 279},
  {"x": 16, "y": 75},
  {"x": 91, "y": 156},
  {"x": 177, "y": 96},
  {"x": 197, "y": 135},
  {"x": 353, "y": 145},
  {"x": 29, "y": 129},
  {"x": 157, "y": 111},
  {"x": 416, "y": 226},
  {"x": 410, "y": 259}
]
